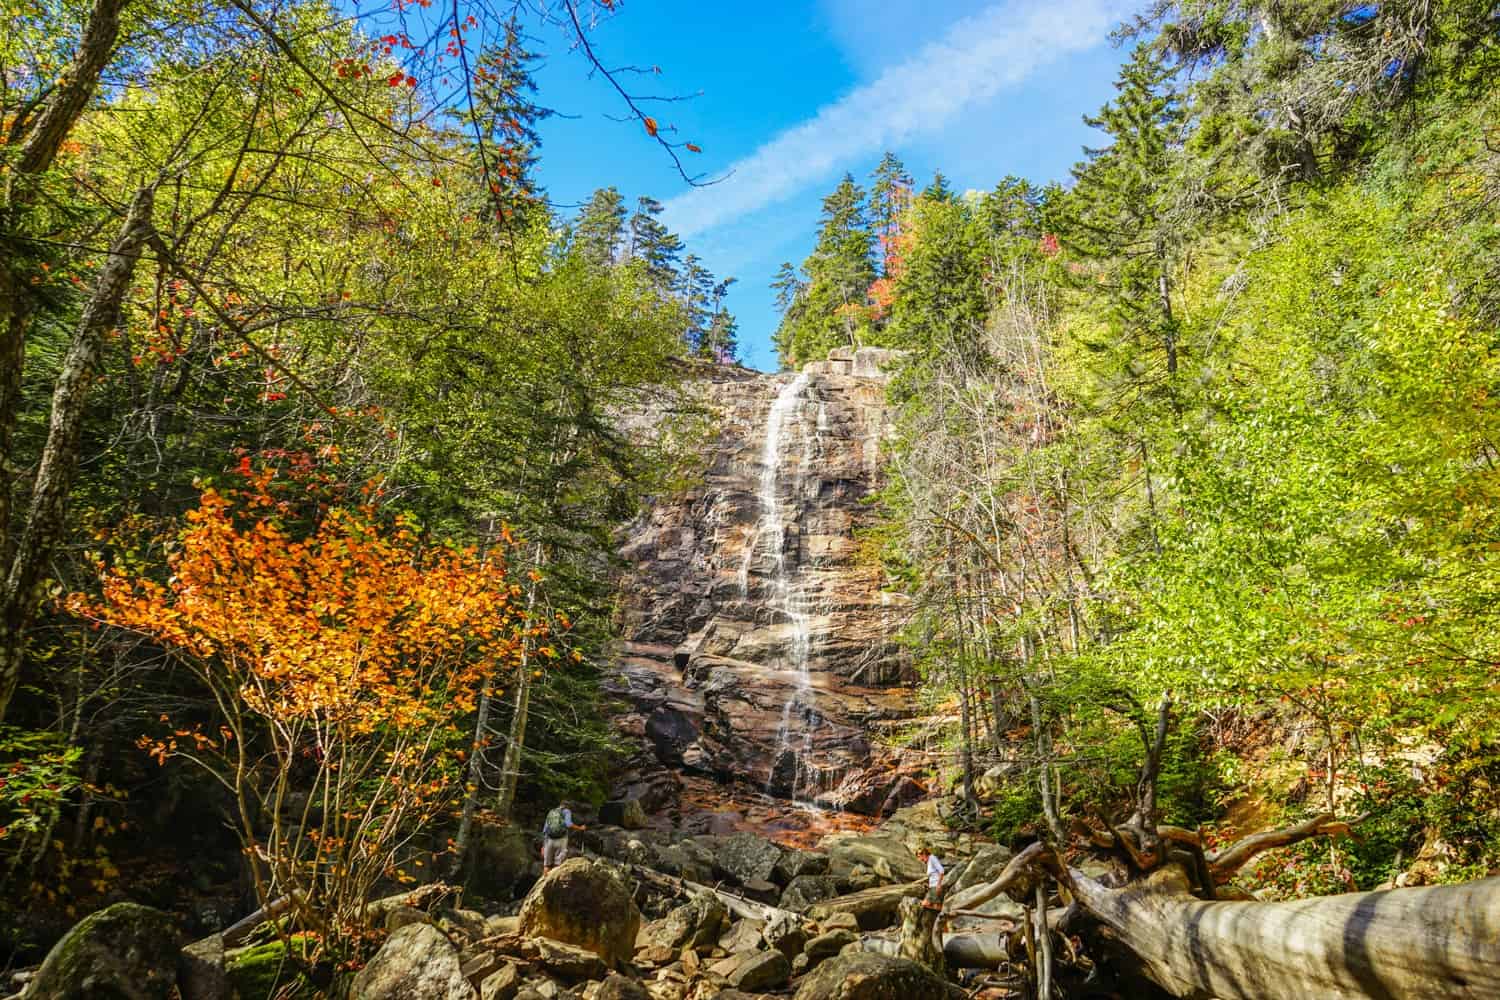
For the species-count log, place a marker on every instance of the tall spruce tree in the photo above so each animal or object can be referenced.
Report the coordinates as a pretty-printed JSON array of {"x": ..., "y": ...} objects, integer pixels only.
[
  {"x": 599, "y": 232},
  {"x": 653, "y": 244},
  {"x": 890, "y": 195},
  {"x": 504, "y": 115},
  {"x": 839, "y": 271},
  {"x": 1121, "y": 210}
]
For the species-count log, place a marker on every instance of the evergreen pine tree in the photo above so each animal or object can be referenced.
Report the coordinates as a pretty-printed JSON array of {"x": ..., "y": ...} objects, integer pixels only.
[
  {"x": 599, "y": 232},
  {"x": 1120, "y": 211},
  {"x": 505, "y": 116},
  {"x": 939, "y": 190},
  {"x": 890, "y": 194},
  {"x": 653, "y": 244},
  {"x": 840, "y": 271}
]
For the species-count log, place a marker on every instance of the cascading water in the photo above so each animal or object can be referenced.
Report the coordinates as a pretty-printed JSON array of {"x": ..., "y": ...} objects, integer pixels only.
[{"x": 783, "y": 595}]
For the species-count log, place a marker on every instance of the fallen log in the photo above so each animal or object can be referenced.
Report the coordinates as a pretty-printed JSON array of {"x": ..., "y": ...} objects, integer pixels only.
[
  {"x": 736, "y": 904},
  {"x": 1432, "y": 942},
  {"x": 874, "y": 908}
]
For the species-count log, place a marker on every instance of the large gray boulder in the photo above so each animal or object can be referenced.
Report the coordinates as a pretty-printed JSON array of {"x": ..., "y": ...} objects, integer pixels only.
[
  {"x": 805, "y": 890},
  {"x": 587, "y": 903},
  {"x": 796, "y": 863},
  {"x": 123, "y": 952},
  {"x": 747, "y": 858},
  {"x": 986, "y": 865},
  {"x": 863, "y": 975},
  {"x": 879, "y": 852},
  {"x": 417, "y": 962},
  {"x": 698, "y": 922}
]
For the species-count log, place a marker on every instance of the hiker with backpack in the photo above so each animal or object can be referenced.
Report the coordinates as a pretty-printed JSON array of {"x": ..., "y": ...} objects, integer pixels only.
[{"x": 555, "y": 836}]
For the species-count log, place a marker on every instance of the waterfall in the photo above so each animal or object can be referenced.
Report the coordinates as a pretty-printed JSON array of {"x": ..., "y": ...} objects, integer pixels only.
[{"x": 783, "y": 596}]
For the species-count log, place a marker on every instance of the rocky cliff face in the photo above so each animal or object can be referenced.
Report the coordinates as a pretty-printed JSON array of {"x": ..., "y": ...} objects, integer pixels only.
[{"x": 757, "y": 640}]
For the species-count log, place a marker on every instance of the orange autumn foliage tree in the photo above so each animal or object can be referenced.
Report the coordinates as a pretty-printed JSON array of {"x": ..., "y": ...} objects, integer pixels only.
[{"x": 342, "y": 658}]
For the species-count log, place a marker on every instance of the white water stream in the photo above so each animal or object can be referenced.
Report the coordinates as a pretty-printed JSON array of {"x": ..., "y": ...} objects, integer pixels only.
[{"x": 784, "y": 596}]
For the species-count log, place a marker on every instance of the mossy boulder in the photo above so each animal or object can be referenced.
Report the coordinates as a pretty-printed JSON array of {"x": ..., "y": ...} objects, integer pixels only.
[
  {"x": 123, "y": 952},
  {"x": 587, "y": 903},
  {"x": 258, "y": 972}
]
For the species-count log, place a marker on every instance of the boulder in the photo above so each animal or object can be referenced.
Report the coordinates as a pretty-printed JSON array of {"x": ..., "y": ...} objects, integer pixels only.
[
  {"x": 744, "y": 936},
  {"x": 122, "y": 952},
  {"x": 502, "y": 984},
  {"x": 986, "y": 865},
  {"x": 200, "y": 970},
  {"x": 569, "y": 962},
  {"x": 415, "y": 961},
  {"x": 746, "y": 858},
  {"x": 794, "y": 864},
  {"x": 828, "y": 944},
  {"x": 685, "y": 859},
  {"x": 696, "y": 923},
  {"x": 863, "y": 975},
  {"x": 755, "y": 971},
  {"x": 848, "y": 850},
  {"x": 502, "y": 862},
  {"x": 586, "y": 903},
  {"x": 618, "y": 987},
  {"x": 805, "y": 890}
]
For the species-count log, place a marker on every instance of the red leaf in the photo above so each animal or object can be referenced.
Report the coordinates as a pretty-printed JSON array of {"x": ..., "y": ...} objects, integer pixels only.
[{"x": 650, "y": 124}]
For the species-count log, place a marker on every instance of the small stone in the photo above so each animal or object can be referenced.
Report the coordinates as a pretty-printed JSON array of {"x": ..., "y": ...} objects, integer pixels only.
[
  {"x": 744, "y": 936},
  {"x": 759, "y": 971},
  {"x": 839, "y": 921},
  {"x": 502, "y": 984},
  {"x": 618, "y": 987},
  {"x": 568, "y": 961},
  {"x": 828, "y": 944},
  {"x": 477, "y": 965}
]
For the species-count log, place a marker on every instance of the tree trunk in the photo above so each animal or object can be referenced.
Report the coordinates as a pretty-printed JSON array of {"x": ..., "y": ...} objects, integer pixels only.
[
  {"x": 1433, "y": 942},
  {"x": 39, "y": 138},
  {"x": 510, "y": 770},
  {"x": 54, "y": 479},
  {"x": 918, "y": 940},
  {"x": 877, "y": 904}
]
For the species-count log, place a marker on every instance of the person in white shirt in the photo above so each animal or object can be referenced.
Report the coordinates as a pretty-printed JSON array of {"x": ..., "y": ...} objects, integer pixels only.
[{"x": 934, "y": 898}]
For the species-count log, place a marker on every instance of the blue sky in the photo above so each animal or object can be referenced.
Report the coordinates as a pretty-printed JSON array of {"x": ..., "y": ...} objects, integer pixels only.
[{"x": 785, "y": 97}]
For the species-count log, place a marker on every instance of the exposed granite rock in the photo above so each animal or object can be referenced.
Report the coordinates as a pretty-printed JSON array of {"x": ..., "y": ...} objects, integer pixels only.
[
  {"x": 585, "y": 903},
  {"x": 726, "y": 600},
  {"x": 415, "y": 961}
]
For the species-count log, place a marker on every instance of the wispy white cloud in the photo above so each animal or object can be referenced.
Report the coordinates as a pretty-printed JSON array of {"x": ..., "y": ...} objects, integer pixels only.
[{"x": 974, "y": 61}]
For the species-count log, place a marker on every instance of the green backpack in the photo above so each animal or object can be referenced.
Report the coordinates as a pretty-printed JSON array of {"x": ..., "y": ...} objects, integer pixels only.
[{"x": 556, "y": 827}]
